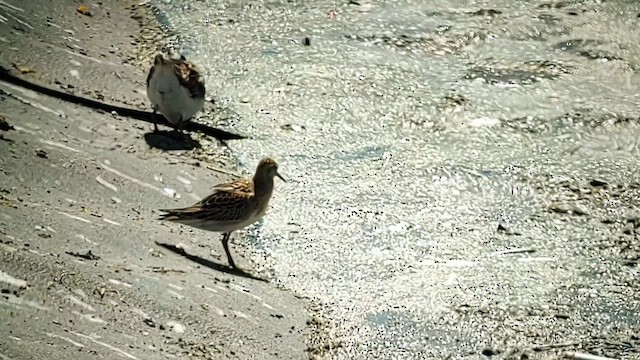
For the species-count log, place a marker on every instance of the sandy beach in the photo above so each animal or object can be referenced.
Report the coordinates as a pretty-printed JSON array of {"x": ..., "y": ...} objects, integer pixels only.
[{"x": 86, "y": 269}]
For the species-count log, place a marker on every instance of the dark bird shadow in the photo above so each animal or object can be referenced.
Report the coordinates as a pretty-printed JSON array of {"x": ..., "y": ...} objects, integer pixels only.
[
  {"x": 170, "y": 140},
  {"x": 210, "y": 264},
  {"x": 146, "y": 116}
]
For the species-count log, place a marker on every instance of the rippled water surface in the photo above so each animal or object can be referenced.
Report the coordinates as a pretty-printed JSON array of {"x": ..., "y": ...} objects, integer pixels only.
[{"x": 422, "y": 139}]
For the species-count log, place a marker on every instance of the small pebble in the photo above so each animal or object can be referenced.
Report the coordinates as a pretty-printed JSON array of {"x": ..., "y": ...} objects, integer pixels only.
[
  {"x": 41, "y": 153},
  {"x": 292, "y": 127},
  {"x": 598, "y": 183},
  {"x": 490, "y": 352}
]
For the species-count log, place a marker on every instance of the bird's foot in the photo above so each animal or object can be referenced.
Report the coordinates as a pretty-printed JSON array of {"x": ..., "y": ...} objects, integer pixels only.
[{"x": 233, "y": 266}]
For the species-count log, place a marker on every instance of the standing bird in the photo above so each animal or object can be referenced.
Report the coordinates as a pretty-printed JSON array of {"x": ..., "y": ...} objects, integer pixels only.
[
  {"x": 232, "y": 206},
  {"x": 175, "y": 88}
]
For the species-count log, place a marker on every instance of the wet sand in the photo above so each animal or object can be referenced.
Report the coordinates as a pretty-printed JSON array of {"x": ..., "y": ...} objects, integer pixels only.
[{"x": 86, "y": 269}]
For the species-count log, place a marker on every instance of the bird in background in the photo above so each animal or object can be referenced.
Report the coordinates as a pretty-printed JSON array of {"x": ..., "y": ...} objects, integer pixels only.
[
  {"x": 176, "y": 89},
  {"x": 233, "y": 205}
]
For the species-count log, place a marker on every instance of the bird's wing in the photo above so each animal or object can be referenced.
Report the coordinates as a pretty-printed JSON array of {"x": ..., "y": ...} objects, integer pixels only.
[
  {"x": 189, "y": 77},
  {"x": 151, "y": 71},
  {"x": 229, "y": 202}
]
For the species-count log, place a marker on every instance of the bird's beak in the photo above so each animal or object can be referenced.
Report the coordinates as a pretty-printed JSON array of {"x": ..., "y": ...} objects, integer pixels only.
[{"x": 280, "y": 176}]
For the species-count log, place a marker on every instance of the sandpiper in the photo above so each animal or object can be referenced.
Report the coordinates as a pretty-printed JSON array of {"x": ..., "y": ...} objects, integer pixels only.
[
  {"x": 232, "y": 206},
  {"x": 176, "y": 89}
]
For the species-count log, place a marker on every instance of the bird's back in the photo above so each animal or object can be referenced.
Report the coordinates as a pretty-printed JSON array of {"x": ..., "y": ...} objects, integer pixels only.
[
  {"x": 230, "y": 207},
  {"x": 171, "y": 97}
]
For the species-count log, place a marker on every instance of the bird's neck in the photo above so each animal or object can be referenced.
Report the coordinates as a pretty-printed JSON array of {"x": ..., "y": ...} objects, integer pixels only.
[{"x": 263, "y": 185}]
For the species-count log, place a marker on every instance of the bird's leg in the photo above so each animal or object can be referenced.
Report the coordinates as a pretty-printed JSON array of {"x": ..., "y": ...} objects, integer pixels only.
[
  {"x": 155, "y": 119},
  {"x": 225, "y": 244},
  {"x": 178, "y": 129}
]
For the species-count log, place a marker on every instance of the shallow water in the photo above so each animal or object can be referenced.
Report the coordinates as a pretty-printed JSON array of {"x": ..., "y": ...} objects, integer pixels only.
[{"x": 408, "y": 130}]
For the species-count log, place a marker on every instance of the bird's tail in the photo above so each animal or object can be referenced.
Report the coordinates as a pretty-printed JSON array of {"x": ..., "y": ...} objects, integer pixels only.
[
  {"x": 169, "y": 214},
  {"x": 174, "y": 214}
]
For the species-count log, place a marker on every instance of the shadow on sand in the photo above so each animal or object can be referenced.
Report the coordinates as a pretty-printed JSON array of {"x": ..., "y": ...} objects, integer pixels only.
[
  {"x": 210, "y": 264},
  {"x": 171, "y": 140},
  {"x": 146, "y": 116}
]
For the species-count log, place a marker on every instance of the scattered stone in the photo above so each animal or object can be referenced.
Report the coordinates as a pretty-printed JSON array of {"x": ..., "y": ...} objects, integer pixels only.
[
  {"x": 453, "y": 100},
  {"x": 41, "y": 153},
  {"x": 23, "y": 69},
  {"x": 163, "y": 270},
  {"x": 84, "y": 10},
  {"x": 561, "y": 316},
  {"x": 486, "y": 12},
  {"x": 149, "y": 322},
  {"x": 515, "y": 251},
  {"x": 292, "y": 127},
  {"x": 579, "y": 210},
  {"x": 490, "y": 352},
  {"x": 503, "y": 229},
  {"x": 598, "y": 183},
  {"x": 87, "y": 256}
]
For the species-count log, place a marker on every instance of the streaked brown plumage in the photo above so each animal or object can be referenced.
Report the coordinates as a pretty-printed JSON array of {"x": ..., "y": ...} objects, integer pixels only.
[{"x": 232, "y": 206}]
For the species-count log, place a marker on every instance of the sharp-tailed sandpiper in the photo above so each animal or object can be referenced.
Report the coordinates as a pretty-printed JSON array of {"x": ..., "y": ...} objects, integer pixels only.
[
  {"x": 176, "y": 89},
  {"x": 232, "y": 206}
]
